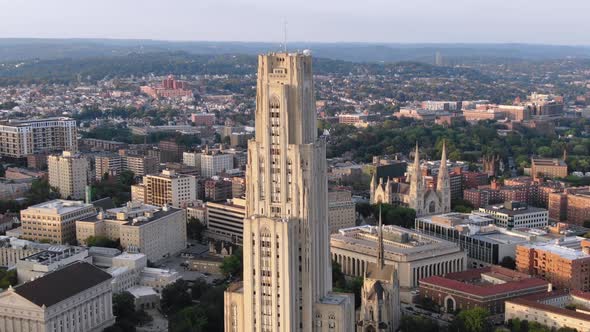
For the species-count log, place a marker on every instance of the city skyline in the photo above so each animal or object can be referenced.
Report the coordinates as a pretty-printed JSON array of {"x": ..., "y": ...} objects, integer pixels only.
[{"x": 329, "y": 21}]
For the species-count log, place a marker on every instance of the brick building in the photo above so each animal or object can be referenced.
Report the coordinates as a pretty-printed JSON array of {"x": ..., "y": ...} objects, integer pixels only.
[
  {"x": 565, "y": 263},
  {"x": 487, "y": 288},
  {"x": 573, "y": 205}
]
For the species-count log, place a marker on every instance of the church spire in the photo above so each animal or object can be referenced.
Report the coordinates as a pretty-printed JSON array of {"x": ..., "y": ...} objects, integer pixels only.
[
  {"x": 443, "y": 184},
  {"x": 380, "y": 251},
  {"x": 417, "y": 158}
]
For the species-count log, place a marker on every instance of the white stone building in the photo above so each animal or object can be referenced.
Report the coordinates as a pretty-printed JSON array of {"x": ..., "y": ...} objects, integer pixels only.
[{"x": 77, "y": 297}]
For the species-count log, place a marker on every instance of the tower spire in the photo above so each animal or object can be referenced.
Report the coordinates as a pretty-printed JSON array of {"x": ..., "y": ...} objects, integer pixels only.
[
  {"x": 443, "y": 158},
  {"x": 380, "y": 253}
]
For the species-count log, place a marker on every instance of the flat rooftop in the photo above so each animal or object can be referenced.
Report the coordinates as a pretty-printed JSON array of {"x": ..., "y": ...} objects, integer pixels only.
[
  {"x": 57, "y": 206},
  {"x": 499, "y": 208},
  {"x": 53, "y": 254},
  {"x": 548, "y": 162},
  {"x": 22, "y": 123},
  {"x": 397, "y": 241},
  {"x": 569, "y": 248}
]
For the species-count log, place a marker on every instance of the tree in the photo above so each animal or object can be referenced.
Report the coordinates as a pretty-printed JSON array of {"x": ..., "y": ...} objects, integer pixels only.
[
  {"x": 194, "y": 229},
  {"x": 418, "y": 324},
  {"x": 338, "y": 278},
  {"x": 127, "y": 178},
  {"x": 472, "y": 320},
  {"x": 7, "y": 278},
  {"x": 395, "y": 215},
  {"x": 191, "y": 319},
  {"x": 199, "y": 288},
  {"x": 508, "y": 262},
  {"x": 41, "y": 191},
  {"x": 175, "y": 297},
  {"x": 101, "y": 241},
  {"x": 231, "y": 266},
  {"x": 127, "y": 317},
  {"x": 586, "y": 223}
]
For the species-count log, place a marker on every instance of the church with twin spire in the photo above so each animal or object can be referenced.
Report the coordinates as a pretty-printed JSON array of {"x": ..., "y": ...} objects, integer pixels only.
[{"x": 415, "y": 193}]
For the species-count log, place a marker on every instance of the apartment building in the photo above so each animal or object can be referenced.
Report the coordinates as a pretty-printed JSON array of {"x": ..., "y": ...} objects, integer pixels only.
[
  {"x": 213, "y": 163},
  {"x": 54, "y": 221},
  {"x": 573, "y": 205},
  {"x": 21, "y": 138},
  {"x": 107, "y": 164},
  {"x": 69, "y": 173},
  {"x": 138, "y": 164},
  {"x": 565, "y": 263},
  {"x": 167, "y": 188}
]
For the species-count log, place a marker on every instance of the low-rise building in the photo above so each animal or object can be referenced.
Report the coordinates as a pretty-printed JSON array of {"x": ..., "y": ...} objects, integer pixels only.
[
  {"x": 157, "y": 232},
  {"x": 552, "y": 168},
  {"x": 415, "y": 255},
  {"x": 218, "y": 189},
  {"x": 484, "y": 242},
  {"x": 77, "y": 297},
  {"x": 225, "y": 221},
  {"x": 517, "y": 215},
  {"x": 486, "y": 288},
  {"x": 130, "y": 270},
  {"x": 38, "y": 264},
  {"x": 54, "y": 221},
  {"x": 555, "y": 310}
]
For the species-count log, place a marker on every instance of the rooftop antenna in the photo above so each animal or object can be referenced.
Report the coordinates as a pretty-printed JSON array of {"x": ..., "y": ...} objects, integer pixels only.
[{"x": 285, "y": 34}]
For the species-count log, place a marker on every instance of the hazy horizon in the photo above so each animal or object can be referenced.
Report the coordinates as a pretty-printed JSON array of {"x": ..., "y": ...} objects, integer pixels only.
[{"x": 542, "y": 22}]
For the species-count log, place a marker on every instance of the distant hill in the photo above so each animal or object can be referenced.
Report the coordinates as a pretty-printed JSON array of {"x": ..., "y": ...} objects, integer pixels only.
[{"x": 46, "y": 49}]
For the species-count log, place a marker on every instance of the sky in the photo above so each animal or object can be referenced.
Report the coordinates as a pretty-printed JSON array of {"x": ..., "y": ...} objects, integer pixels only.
[{"x": 396, "y": 21}]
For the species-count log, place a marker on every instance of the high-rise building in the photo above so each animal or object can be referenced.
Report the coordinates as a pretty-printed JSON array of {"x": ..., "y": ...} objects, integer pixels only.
[
  {"x": 214, "y": 162},
  {"x": 107, "y": 164},
  {"x": 341, "y": 210},
  {"x": 287, "y": 282},
  {"x": 139, "y": 165},
  {"x": 167, "y": 188},
  {"x": 20, "y": 138},
  {"x": 68, "y": 173}
]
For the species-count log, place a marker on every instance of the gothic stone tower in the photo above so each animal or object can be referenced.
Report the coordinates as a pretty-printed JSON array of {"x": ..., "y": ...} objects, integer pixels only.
[
  {"x": 443, "y": 184},
  {"x": 380, "y": 299},
  {"x": 287, "y": 267}
]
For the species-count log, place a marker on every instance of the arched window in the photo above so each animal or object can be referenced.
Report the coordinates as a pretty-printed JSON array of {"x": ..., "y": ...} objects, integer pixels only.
[{"x": 432, "y": 207}]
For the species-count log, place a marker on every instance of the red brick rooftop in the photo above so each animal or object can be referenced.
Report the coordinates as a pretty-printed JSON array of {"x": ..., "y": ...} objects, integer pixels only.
[{"x": 461, "y": 281}]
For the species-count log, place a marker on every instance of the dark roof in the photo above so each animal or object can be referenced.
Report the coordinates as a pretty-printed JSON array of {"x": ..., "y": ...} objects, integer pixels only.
[
  {"x": 104, "y": 203},
  {"x": 62, "y": 284}
]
